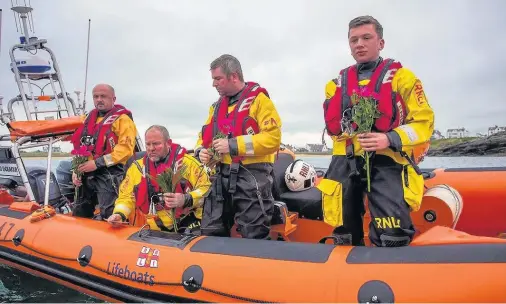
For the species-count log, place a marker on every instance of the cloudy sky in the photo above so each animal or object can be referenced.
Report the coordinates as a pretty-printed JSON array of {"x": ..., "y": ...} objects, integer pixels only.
[{"x": 157, "y": 53}]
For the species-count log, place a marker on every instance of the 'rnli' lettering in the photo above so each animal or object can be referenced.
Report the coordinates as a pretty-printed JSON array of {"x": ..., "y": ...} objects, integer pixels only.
[
  {"x": 304, "y": 170},
  {"x": 387, "y": 222},
  {"x": 420, "y": 94},
  {"x": 194, "y": 225},
  {"x": 123, "y": 272}
]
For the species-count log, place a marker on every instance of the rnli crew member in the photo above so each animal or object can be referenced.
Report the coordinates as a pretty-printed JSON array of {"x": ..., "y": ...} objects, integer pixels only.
[
  {"x": 242, "y": 184},
  {"x": 399, "y": 134},
  {"x": 109, "y": 134},
  {"x": 140, "y": 194}
]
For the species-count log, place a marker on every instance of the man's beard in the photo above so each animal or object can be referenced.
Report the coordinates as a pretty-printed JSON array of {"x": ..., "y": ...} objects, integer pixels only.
[{"x": 155, "y": 158}]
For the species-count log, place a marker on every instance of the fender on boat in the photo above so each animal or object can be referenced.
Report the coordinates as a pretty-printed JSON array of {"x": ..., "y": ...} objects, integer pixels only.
[
  {"x": 483, "y": 191},
  {"x": 132, "y": 265}
]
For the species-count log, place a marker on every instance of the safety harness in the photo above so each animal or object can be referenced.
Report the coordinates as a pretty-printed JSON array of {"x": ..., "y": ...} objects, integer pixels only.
[
  {"x": 233, "y": 124},
  {"x": 148, "y": 192},
  {"x": 98, "y": 138}
]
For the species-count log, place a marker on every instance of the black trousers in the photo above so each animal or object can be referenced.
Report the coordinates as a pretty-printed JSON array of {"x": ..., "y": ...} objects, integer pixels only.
[
  {"x": 391, "y": 224},
  {"x": 250, "y": 205},
  {"x": 101, "y": 188},
  {"x": 189, "y": 224}
]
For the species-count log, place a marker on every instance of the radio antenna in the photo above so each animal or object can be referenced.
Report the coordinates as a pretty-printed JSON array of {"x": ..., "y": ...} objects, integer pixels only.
[{"x": 86, "y": 71}]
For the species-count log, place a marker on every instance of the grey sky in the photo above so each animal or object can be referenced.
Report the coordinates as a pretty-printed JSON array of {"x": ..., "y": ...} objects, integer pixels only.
[{"x": 157, "y": 55}]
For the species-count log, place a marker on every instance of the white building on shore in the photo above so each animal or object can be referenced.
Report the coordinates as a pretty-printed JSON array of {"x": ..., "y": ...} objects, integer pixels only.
[
  {"x": 495, "y": 129},
  {"x": 457, "y": 133}
]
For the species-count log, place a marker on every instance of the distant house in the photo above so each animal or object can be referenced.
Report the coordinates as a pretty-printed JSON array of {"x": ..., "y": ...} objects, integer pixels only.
[
  {"x": 436, "y": 135},
  {"x": 495, "y": 129},
  {"x": 480, "y": 135},
  {"x": 457, "y": 133},
  {"x": 55, "y": 149},
  {"x": 290, "y": 147},
  {"x": 316, "y": 148}
]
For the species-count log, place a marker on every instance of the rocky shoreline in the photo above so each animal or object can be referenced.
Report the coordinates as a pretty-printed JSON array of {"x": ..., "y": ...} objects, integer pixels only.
[{"x": 493, "y": 145}]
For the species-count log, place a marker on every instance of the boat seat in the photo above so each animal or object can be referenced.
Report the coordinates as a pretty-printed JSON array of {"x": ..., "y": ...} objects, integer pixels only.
[
  {"x": 307, "y": 203},
  {"x": 279, "y": 186}
]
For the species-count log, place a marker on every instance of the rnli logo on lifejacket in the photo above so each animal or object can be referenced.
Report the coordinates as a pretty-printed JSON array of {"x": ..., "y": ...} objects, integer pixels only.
[
  {"x": 109, "y": 120},
  {"x": 246, "y": 104},
  {"x": 179, "y": 163},
  {"x": 389, "y": 75},
  {"x": 148, "y": 257}
]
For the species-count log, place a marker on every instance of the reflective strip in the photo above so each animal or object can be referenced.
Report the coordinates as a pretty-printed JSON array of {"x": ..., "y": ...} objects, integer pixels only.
[
  {"x": 108, "y": 160},
  {"x": 248, "y": 141},
  {"x": 123, "y": 209},
  {"x": 200, "y": 203},
  {"x": 410, "y": 132}
]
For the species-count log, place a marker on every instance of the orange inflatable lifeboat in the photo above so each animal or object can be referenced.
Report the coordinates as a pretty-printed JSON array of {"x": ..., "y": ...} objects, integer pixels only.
[
  {"x": 132, "y": 264},
  {"x": 129, "y": 264}
]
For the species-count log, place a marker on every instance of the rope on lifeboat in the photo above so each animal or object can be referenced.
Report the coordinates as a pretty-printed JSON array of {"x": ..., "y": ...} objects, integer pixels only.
[{"x": 189, "y": 282}]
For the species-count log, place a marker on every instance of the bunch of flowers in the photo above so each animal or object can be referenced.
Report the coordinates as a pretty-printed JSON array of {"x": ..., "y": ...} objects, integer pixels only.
[
  {"x": 167, "y": 182},
  {"x": 216, "y": 155},
  {"x": 80, "y": 156},
  {"x": 364, "y": 113},
  {"x": 223, "y": 130}
]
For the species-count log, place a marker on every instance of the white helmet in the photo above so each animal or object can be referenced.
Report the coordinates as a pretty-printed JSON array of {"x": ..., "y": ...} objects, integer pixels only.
[{"x": 300, "y": 176}]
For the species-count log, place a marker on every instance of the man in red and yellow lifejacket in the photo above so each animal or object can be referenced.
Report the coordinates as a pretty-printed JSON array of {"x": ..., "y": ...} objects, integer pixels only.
[
  {"x": 142, "y": 200},
  {"x": 399, "y": 138},
  {"x": 242, "y": 187},
  {"x": 108, "y": 133}
]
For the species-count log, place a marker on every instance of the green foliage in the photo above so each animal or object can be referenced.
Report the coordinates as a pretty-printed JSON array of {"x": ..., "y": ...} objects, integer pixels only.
[
  {"x": 216, "y": 155},
  {"x": 168, "y": 181},
  {"x": 364, "y": 113}
]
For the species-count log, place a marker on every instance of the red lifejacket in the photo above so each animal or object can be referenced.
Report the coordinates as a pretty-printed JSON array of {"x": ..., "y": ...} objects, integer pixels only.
[
  {"x": 236, "y": 123},
  {"x": 148, "y": 187},
  {"x": 100, "y": 137},
  {"x": 390, "y": 104}
]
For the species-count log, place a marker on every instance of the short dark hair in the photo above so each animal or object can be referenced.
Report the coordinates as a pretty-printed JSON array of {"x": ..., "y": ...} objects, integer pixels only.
[
  {"x": 228, "y": 64},
  {"x": 361, "y": 20}
]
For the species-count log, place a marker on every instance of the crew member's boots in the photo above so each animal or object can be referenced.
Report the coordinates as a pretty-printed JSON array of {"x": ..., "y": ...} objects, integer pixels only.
[{"x": 341, "y": 236}]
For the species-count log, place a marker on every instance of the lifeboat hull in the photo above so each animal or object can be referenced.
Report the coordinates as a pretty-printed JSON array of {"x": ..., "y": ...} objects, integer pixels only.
[
  {"x": 483, "y": 191},
  {"x": 129, "y": 264}
]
